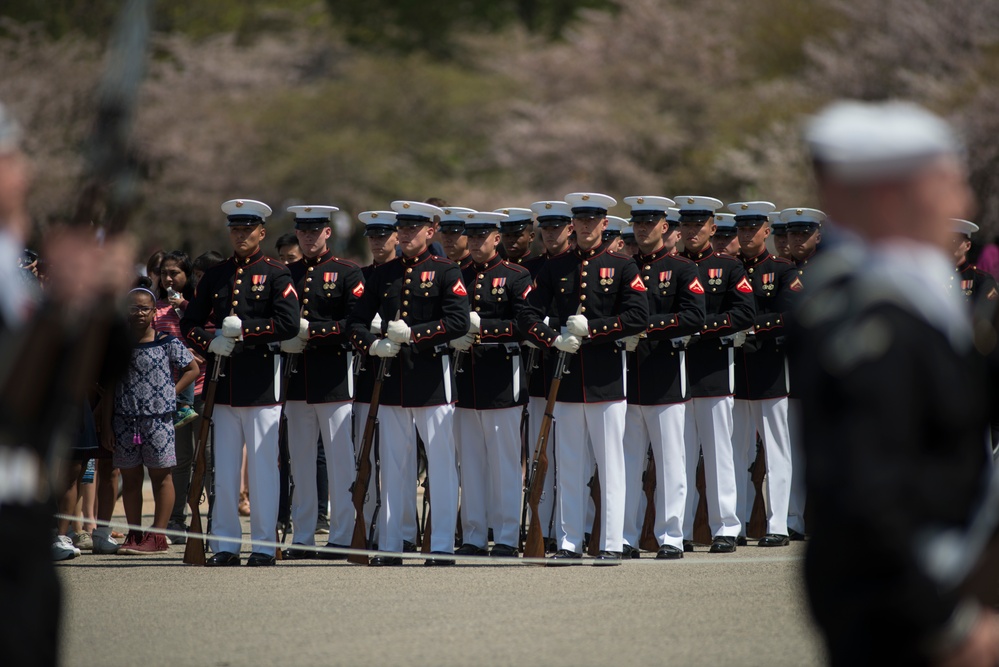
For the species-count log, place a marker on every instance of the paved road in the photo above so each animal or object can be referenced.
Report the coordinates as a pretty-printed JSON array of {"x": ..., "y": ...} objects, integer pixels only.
[{"x": 746, "y": 608}]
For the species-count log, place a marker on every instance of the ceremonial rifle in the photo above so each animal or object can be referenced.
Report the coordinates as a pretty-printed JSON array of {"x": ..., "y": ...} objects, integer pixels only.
[
  {"x": 194, "y": 552},
  {"x": 534, "y": 545},
  {"x": 428, "y": 526},
  {"x": 757, "y": 526},
  {"x": 359, "y": 489},
  {"x": 284, "y": 457},
  {"x": 647, "y": 540},
  {"x": 593, "y": 548}
]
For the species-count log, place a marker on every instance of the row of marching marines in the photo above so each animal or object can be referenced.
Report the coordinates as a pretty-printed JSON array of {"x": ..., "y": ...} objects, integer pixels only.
[{"x": 627, "y": 389}]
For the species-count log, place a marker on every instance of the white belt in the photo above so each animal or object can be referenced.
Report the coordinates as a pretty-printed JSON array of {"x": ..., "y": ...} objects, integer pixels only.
[
  {"x": 446, "y": 364},
  {"x": 350, "y": 373}
]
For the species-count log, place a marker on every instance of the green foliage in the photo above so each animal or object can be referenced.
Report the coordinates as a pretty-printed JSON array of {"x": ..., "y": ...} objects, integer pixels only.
[{"x": 432, "y": 27}]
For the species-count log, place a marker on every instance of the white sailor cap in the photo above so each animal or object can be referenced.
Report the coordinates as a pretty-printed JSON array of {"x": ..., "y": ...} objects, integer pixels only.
[
  {"x": 552, "y": 213},
  {"x": 964, "y": 227},
  {"x": 696, "y": 209},
  {"x": 312, "y": 218},
  {"x": 517, "y": 219},
  {"x": 453, "y": 219},
  {"x": 377, "y": 223},
  {"x": 246, "y": 212},
  {"x": 802, "y": 219},
  {"x": 864, "y": 140},
  {"x": 615, "y": 226},
  {"x": 725, "y": 223},
  {"x": 414, "y": 213},
  {"x": 589, "y": 204},
  {"x": 648, "y": 208},
  {"x": 483, "y": 222},
  {"x": 673, "y": 215},
  {"x": 751, "y": 213}
]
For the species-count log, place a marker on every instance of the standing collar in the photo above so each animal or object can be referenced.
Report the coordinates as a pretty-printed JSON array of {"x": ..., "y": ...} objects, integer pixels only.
[
  {"x": 490, "y": 263},
  {"x": 753, "y": 261},
  {"x": 325, "y": 256},
  {"x": 412, "y": 261},
  {"x": 593, "y": 252},
  {"x": 698, "y": 256},
  {"x": 255, "y": 257},
  {"x": 655, "y": 255}
]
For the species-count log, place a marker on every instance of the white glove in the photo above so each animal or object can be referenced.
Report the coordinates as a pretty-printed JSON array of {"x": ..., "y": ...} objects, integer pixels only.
[
  {"x": 464, "y": 343},
  {"x": 293, "y": 345},
  {"x": 631, "y": 343},
  {"x": 531, "y": 345},
  {"x": 399, "y": 332},
  {"x": 739, "y": 339},
  {"x": 303, "y": 329},
  {"x": 577, "y": 325},
  {"x": 568, "y": 343},
  {"x": 475, "y": 322},
  {"x": 221, "y": 346},
  {"x": 232, "y": 327},
  {"x": 383, "y": 347},
  {"x": 376, "y": 324}
]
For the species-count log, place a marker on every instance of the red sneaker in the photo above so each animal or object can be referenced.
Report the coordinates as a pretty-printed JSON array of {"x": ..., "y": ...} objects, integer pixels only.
[
  {"x": 151, "y": 543},
  {"x": 131, "y": 542}
]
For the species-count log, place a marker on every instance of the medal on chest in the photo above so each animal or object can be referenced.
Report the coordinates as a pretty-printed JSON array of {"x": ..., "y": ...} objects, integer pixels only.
[
  {"x": 329, "y": 279},
  {"x": 427, "y": 279},
  {"x": 258, "y": 283},
  {"x": 715, "y": 276},
  {"x": 664, "y": 279},
  {"x": 768, "y": 281},
  {"x": 606, "y": 275},
  {"x": 498, "y": 285}
]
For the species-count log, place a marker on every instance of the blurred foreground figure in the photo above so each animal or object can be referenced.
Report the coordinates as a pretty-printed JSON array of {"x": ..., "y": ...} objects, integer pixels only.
[
  {"x": 50, "y": 354},
  {"x": 894, "y": 397}
]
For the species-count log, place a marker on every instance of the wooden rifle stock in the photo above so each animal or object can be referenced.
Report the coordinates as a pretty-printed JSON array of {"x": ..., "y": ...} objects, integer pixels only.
[
  {"x": 534, "y": 545},
  {"x": 647, "y": 540},
  {"x": 194, "y": 552},
  {"x": 757, "y": 526},
  {"x": 593, "y": 548},
  {"x": 428, "y": 526},
  {"x": 359, "y": 490}
]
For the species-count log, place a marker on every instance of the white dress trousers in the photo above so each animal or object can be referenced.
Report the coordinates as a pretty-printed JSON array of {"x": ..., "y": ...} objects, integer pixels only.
[
  {"x": 488, "y": 443},
  {"x": 665, "y": 426},
  {"x": 306, "y": 424},
  {"x": 258, "y": 428},
  {"x": 398, "y": 446},
  {"x": 371, "y": 501},
  {"x": 768, "y": 417},
  {"x": 581, "y": 427},
  {"x": 711, "y": 432}
]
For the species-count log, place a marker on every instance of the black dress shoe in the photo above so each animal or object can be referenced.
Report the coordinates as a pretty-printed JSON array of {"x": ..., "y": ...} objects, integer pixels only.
[
  {"x": 742, "y": 541},
  {"x": 631, "y": 552},
  {"x": 384, "y": 561},
  {"x": 688, "y": 546},
  {"x": 300, "y": 552},
  {"x": 607, "y": 558},
  {"x": 723, "y": 545},
  {"x": 565, "y": 557},
  {"x": 223, "y": 559},
  {"x": 471, "y": 550},
  {"x": 669, "y": 552},
  {"x": 503, "y": 551},
  {"x": 795, "y": 536},
  {"x": 326, "y": 555},
  {"x": 551, "y": 546},
  {"x": 439, "y": 562},
  {"x": 774, "y": 540},
  {"x": 259, "y": 560},
  {"x": 408, "y": 547}
]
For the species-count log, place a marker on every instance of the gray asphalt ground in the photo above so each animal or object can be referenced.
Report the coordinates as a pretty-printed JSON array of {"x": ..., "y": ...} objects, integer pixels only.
[{"x": 746, "y": 608}]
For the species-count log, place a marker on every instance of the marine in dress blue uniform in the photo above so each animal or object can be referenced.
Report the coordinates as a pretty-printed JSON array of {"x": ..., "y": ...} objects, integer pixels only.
[
  {"x": 321, "y": 387},
  {"x": 422, "y": 303},
  {"x": 492, "y": 389},
  {"x": 251, "y": 301},
  {"x": 711, "y": 370},
  {"x": 973, "y": 284},
  {"x": 598, "y": 296},
  {"x": 761, "y": 376},
  {"x": 657, "y": 376}
]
